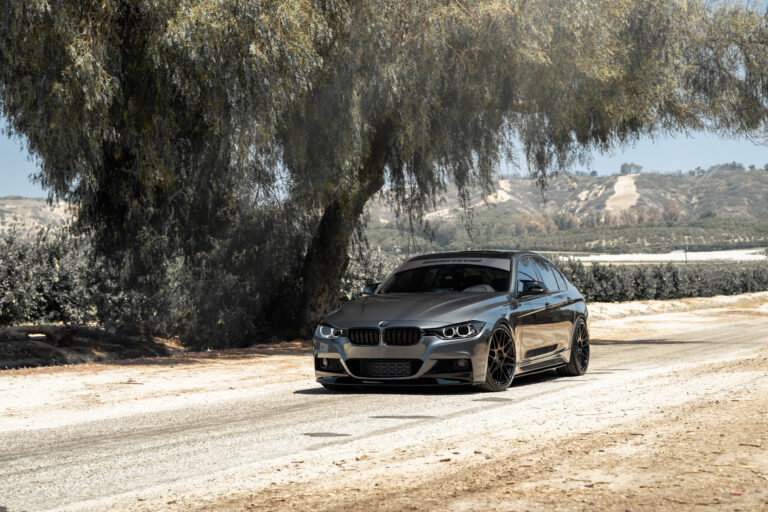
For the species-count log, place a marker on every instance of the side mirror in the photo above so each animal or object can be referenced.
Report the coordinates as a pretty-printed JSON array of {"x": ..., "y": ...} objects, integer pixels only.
[
  {"x": 533, "y": 288},
  {"x": 369, "y": 289}
]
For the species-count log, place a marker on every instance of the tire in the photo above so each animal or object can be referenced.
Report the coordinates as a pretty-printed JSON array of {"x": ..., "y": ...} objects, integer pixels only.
[
  {"x": 501, "y": 360},
  {"x": 579, "y": 360}
]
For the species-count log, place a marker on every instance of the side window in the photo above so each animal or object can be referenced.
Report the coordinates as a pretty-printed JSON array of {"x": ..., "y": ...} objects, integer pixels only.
[
  {"x": 545, "y": 271},
  {"x": 525, "y": 272},
  {"x": 560, "y": 277}
]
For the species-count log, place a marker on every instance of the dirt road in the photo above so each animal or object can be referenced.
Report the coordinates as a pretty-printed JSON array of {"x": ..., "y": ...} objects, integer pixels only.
[{"x": 672, "y": 415}]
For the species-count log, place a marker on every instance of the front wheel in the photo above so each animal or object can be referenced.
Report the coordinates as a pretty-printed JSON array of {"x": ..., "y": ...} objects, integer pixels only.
[
  {"x": 501, "y": 361},
  {"x": 579, "y": 361}
]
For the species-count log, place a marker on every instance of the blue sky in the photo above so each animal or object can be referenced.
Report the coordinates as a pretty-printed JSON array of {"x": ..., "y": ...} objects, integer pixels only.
[
  {"x": 663, "y": 154},
  {"x": 683, "y": 152},
  {"x": 15, "y": 168}
]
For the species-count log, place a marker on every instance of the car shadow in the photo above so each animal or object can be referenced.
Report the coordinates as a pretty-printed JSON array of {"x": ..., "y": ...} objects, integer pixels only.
[
  {"x": 643, "y": 342},
  {"x": 536, "y": 378},
  {"x": 436, "y": 389},
  {"x": 445, "y": 389}
]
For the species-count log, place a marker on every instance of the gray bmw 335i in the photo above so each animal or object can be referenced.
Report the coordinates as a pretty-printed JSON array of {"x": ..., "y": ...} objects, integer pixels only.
[{"x": 474, "y": 317}]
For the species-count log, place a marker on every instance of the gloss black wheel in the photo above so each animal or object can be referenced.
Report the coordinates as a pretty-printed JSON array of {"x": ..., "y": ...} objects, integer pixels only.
[
  {"x": 501, "y": 360},
  {"x": 579, "y": 360}
]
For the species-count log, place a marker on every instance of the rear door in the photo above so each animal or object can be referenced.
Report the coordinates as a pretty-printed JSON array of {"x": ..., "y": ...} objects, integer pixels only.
[{"x": 558, "y": 314}]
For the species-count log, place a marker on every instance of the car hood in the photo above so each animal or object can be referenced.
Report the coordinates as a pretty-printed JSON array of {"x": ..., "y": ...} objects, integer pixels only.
[{"x": 415, "y": 309}]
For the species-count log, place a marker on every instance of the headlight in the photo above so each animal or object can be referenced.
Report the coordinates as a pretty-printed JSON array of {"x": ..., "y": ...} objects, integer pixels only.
[
  {"x": 457, "y": 331},
  {"x": 328, "y": 332}
]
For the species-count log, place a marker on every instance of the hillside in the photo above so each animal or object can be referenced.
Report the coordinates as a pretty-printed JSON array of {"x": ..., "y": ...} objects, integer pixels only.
[
  {"x": 718, "y": 193},
  {"x": 26, "y": 216},
  {"x": 719, "y": 209}
]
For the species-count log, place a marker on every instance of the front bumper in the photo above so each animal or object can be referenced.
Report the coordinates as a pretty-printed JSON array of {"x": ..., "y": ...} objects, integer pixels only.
[{"x": 432, "y": 361}]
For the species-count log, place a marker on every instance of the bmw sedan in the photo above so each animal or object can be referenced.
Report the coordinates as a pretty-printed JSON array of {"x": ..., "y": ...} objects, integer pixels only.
[{"x": 474, "y": 317}]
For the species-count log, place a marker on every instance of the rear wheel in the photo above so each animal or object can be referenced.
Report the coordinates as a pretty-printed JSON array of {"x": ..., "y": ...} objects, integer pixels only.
[
  {"x": 501, "y": 361},
  {"x": 579, "y": 361}
]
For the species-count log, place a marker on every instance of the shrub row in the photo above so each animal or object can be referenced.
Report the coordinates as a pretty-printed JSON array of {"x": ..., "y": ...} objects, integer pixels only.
[
  {"x": 608, "y": 283},
  {"x": 45, "y": 279},
  {"x": 220, "y": 299},
  {"x": 617, "y": 283},
  {"x": 54, "y": 277}
]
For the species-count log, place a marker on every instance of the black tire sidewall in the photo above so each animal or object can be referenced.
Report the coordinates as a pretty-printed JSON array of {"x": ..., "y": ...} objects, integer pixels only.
[
  {"x": 490, "y": 384},
  {"x": 573, "y": 367}
]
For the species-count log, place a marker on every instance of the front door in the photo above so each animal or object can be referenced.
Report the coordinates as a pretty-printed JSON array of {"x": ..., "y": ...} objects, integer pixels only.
[{"x": 534, "y": 329}]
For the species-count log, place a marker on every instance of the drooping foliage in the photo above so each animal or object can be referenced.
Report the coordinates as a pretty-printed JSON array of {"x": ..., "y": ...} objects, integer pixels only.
[
  {"x": 173, "y": 125},
  {"x": 150, "y": 117},
  {"x": 424, "y": 92}
]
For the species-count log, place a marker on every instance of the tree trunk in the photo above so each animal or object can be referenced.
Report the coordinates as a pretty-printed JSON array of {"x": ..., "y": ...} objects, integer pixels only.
[{"x": 327, "y": 258}]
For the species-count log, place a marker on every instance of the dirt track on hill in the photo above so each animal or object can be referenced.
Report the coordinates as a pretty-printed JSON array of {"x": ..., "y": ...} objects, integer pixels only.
[{"x": 672, "y": 415}]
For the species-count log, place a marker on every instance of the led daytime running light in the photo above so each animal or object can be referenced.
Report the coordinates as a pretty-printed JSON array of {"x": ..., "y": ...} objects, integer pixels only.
[
  {"x": 328, "y": 332},
  {"x": 459, "y": 331}
]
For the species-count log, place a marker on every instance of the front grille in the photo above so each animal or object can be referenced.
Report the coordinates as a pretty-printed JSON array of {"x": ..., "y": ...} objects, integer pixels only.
[
  {"x": 364, "y": 336},
  {"x": 374, "y": 368},
  {"x": 402, "y": 336}
]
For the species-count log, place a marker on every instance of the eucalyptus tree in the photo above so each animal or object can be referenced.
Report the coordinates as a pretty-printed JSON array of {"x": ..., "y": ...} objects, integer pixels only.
[
  {"x": 164, "y": 122},
  {"x": 414, "y": 94}
]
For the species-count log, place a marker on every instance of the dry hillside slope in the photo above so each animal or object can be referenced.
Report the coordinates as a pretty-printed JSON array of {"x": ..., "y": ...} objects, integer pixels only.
[
  {"x": 26, "y": 216},
  {"x": 624, "y": 194},
  {"x": 717, "y": 193}
]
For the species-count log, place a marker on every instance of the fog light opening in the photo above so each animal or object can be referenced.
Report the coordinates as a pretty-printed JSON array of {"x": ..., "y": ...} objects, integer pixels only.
[
  {"x": 462, "y": 363},
  {"x": 324, "y": 363}
]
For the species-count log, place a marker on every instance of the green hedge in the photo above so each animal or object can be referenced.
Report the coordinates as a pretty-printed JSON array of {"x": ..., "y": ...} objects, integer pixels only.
[
  {"x": 618, "y": 283},
  {"x": 608, "y": 283},
  {"x": 54, "y": 277},
  {"x": 45, "y": 279}
]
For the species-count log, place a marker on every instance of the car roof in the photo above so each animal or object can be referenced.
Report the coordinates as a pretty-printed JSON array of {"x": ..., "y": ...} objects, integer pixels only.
[{"x": 468, "y": 254}]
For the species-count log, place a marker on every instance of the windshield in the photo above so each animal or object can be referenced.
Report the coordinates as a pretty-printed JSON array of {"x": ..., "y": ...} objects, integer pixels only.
[{"x": 448, "y": 278}]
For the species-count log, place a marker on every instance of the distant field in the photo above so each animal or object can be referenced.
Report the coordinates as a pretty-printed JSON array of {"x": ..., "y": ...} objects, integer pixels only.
[
  {"x": 759, "y": 254},
  {"x": 708, "y": 234}
]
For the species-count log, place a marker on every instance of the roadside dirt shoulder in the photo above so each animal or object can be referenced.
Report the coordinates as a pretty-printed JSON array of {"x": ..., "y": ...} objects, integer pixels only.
[
  {"x": 251, "y": 430},
  {"x": 55, "y": 396},
  {"x": 27, "y": 346},
  {"x": 655, "y": 318},
  {"x": 706, "y": 454},
  {"x": 59, "y": 395}
]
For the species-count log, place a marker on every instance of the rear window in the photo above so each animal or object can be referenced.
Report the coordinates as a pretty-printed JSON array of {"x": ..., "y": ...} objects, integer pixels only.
[
  {"x": 545, "y": 271},
  {"x": 560, "y": 277},
  {"x": 448, "y": 278}
]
